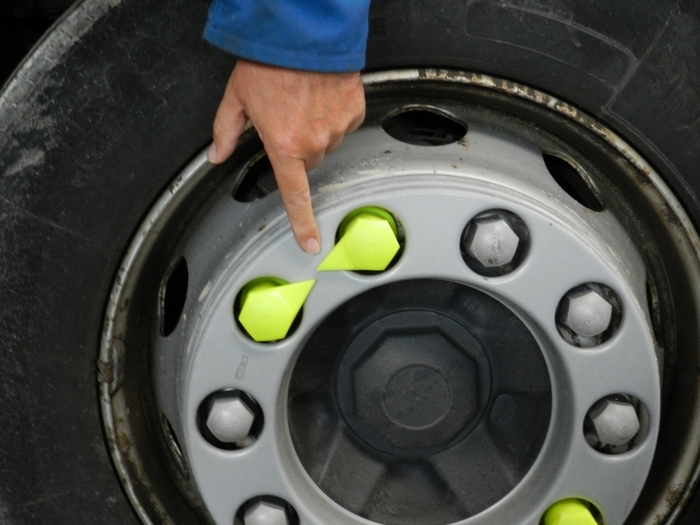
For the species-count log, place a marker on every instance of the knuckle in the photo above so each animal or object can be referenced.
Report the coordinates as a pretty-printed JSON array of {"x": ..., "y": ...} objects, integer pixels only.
[
  {"x": 304, "y": 145},
  {"x": 299, "y": 201},
  {"x": 218, "y": 131},
  {"x": 284, "y": 144},
  {"x": 317, "y": 142}
]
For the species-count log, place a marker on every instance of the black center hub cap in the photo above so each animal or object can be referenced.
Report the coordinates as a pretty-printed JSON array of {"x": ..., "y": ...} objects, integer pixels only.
[
  {"x": 412, "y": 382},
  {"x": 433, "y": 390}
]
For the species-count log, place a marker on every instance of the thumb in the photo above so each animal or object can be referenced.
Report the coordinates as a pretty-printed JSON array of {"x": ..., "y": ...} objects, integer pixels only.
[{"x": 229, "y": 123}]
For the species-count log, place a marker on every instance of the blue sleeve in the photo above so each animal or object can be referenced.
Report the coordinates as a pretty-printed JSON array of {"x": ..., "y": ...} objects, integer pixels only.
[{"x": 314, "y": 35}]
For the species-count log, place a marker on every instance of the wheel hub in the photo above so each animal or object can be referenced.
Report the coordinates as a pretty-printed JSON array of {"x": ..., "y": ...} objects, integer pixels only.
[
  {"x": 410, "y": 388},
  {"x": 413, "y": 387},
  {"x": 411, "y": 381}
]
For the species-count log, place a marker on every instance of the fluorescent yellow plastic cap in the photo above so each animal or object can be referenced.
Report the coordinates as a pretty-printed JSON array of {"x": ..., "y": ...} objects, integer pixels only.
[
  {"x": 569, "y": 512},
  {"x": 367, "y": 242},
  {"x": 269, "y": 307}
]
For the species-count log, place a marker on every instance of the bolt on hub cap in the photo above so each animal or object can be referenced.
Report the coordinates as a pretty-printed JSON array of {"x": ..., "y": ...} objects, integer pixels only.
[{"x": 454, "y": 349}]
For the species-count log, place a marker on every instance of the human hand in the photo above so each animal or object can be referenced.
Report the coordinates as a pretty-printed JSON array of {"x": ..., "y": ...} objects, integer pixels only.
[{"x": 300, "y": 116}]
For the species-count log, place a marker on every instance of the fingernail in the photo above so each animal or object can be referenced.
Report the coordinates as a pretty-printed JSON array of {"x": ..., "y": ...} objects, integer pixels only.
[
  {"x": 311, "y": 246},
  {"x": 211, "y": 153}
]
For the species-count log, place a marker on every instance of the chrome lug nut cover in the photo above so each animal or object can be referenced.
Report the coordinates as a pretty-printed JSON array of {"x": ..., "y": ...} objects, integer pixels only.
[
  {"x": 588, "y": 314},
  {"x": 266, "y": 513},
  {"x": 230, "y": 418},
  {"x": 615, "y": 421},
  {"x": 494, "y": 243}
]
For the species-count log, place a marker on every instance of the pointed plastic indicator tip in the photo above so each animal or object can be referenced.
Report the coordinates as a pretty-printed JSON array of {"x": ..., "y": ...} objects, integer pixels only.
[
  {"x": 269, "y": 307},
  {"x": 569, "y": 512},
  {"x": 367, "y": 242}
]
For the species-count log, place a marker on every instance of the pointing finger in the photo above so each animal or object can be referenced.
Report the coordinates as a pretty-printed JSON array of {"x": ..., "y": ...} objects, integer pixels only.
[{"x": 294, "y": 190}]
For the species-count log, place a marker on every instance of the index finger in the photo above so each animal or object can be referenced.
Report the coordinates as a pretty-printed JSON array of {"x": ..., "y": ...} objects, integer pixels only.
[{"x": 293, "y": 184}]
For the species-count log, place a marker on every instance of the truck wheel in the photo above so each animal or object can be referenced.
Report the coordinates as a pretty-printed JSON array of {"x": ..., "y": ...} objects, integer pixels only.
[{"x": 519, "y": 338}]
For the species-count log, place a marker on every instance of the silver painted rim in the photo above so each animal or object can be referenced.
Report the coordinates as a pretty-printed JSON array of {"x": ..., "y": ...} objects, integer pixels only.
[{"x": 501, "y": 172}]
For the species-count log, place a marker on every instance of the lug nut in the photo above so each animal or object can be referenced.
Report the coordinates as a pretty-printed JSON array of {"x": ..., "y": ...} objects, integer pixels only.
[
  {"x": 588, "y": 314},
  {"x": 266, "y": 513},
  {"x": 230, "y": 418},
  {"x": 368, "y": 242},
  {"x": 269, "y": 307},
  {"x": 614, "y": 423},
  {"x": 568, "y": 512},
  {"x": 494, "y": 243}
]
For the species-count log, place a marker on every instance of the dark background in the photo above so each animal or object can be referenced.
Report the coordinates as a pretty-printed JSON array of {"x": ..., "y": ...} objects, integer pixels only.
[{"x": 22, "y": 23}]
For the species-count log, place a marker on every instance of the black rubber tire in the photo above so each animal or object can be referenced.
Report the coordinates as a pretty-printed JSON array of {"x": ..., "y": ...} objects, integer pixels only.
[{"x": 121, "y": 95}]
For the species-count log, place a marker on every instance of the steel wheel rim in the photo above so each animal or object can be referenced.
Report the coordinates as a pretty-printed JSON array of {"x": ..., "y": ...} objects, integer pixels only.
[{"x": 286, "y": 461}]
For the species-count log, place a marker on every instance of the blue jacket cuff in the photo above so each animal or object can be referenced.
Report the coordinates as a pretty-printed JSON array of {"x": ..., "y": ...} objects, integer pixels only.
[{"x": 314, "y": 35}]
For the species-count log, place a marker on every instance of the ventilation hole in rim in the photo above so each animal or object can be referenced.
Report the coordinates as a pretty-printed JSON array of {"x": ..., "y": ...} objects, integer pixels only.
[
  {"x": 173, "y": 444},
  {"x": 258, "y": 180},
  {"x": 173, "y": 294},
  {"x": 654, "y": 311},
  {"x": 172, "y": 437},
  {"x": 421, "y": 127},
  {"x": 572, "y": 182}
]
